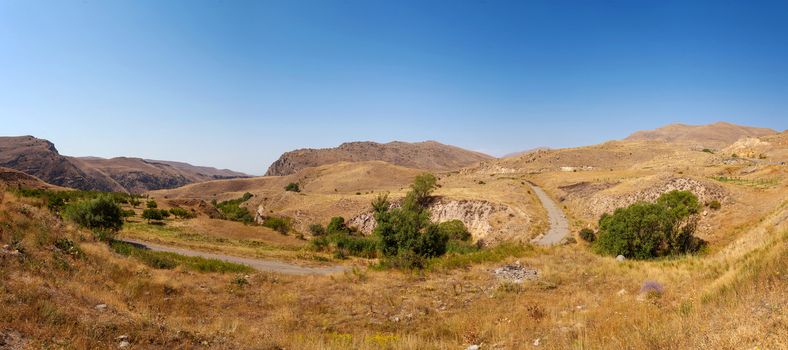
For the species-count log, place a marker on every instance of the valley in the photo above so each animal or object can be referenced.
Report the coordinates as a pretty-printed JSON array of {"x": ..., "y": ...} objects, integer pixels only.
[{"x": 244, "y": 266}]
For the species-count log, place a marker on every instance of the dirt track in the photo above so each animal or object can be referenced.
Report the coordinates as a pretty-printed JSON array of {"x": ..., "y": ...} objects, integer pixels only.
[
  {"x": 259, "y": 264},
  {"x": 559, "y": 227}
]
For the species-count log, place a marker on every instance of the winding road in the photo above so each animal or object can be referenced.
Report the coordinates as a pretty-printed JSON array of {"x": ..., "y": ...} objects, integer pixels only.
[
  {"x": 259, "y": 264},
  {"x": 559, "y": 226}
]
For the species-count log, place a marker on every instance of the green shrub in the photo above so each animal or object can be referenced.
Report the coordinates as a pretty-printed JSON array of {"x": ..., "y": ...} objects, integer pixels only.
[
  {"x": 99, "y": 213},
  {"x": 715, "y": 204},
  {"x": 647, "y": 230},
  {"x": 292, "y": 187},
  {"x": 232, "y": 210},
  {"x": 128, "y": 213},
  {"x": 455, "y": 229},
  {"x": 337, "y": 225},
  {"x": 152, "y": 214},
  {"x": 708, "y": 150},
  {"x": 151, "y": 204},
  {"x": 280, "y": 224},
  {"x": 317, "y": 230},
  {"x": 587, "y": 235},
  {"x": 181, "y": 213},
  {"x": 167, "y": 260}
]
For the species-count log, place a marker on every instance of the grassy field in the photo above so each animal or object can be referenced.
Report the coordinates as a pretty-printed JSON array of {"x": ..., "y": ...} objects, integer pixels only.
[{"x": 731, "y": 299}]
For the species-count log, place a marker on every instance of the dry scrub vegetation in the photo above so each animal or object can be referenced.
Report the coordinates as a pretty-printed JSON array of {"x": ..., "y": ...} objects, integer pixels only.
[{"x": 55, "y": 279}]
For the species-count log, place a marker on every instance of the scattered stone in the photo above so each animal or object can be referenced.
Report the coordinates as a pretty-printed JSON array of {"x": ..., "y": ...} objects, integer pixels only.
[
  {"x": 537, "y": 341},
  {"x": 473, "y": 347},
  {"x": 516, "y": 273},
  {"x": 101, "y": 307},
  {"x": 620, "y": 258},
  {"x": 124, "y": 345},
  {"x": 11, "y": 339},
  {"x": 622, "y": 292},
  {"x": 122, "y": 337}
]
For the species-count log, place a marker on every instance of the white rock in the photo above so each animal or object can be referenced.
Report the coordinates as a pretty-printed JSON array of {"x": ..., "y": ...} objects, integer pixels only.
[
  {"x": 124, "y": 345},
  {"x": 620, "y": 258},
  {"x": 101, "y": 307},
  {"x": 473, "y": 347},
  {"x": 536, "y": 341}
]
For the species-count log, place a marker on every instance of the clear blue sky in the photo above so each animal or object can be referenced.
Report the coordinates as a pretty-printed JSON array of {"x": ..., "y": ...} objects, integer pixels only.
[{"x": 233, "y": 84}]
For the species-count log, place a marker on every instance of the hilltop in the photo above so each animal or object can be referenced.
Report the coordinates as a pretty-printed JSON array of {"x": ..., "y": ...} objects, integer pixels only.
[
  {"x": 428, "y": 155},
  {"x": 717, "y": 135},
  {"x": 40, "y": 158}
]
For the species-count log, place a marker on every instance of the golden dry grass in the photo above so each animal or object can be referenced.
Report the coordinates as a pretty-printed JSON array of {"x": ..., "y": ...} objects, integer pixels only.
[{"x": 727, "y": 300}]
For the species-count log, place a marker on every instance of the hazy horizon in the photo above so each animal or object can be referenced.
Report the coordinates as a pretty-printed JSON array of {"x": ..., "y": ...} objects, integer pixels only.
[{"x": 235, "y": 84}]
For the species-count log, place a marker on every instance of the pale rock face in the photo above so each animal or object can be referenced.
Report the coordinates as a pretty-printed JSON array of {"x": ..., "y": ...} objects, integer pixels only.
[{"x": 480, "y": 217}]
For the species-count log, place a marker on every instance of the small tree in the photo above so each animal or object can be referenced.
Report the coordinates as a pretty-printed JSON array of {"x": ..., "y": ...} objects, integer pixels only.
[
  {"x": 164, "y": 213},
  {"x": 99, "y": 214},
  {"x": 647, "y": 230},
  {"x": 152, "y": 214},
  {"x": 151, "y": 204},
  {"x": 292, "y": 187}
]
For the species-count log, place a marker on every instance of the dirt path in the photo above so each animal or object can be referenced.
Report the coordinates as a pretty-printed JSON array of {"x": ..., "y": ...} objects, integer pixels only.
[
  {"x": 559, "y": 227},
  {"x": 259, "y": 264}
]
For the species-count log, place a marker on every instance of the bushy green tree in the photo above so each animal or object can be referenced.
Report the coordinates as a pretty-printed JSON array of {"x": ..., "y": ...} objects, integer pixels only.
[
  {"x": 647, "y": 230},
  {"x": 152, "y": 214},
  {"x": 151, "y": 204},
  {"x": 101, "y": 213},
  {"x": 292, "y": 187},
  {"x": 406, "y": 234}
]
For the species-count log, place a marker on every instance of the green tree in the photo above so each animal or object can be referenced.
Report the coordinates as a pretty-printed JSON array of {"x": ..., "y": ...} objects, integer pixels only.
[
  {"x": 151, "y": 204},
  {"x": 292, "y": 187},
  {"x": 317, "y": 230},
  {"x": 647, "y": 230},
  {"x": 100, "y": 213},
  {"x": 406, "y": 235},
  {"x": 152, "y": 214}
]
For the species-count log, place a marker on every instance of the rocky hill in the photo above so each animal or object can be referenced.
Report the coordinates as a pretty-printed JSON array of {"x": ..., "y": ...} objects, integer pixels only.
[
  {"x": 429, "y": 155},
  {"x": 717, "y": 135},
  {"x": 40, "y": 158},
  {"x": 10, "y": 178}
]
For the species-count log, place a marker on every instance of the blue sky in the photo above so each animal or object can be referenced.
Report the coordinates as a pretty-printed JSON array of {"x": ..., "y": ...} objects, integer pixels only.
[{"x": 233, "y": 84}]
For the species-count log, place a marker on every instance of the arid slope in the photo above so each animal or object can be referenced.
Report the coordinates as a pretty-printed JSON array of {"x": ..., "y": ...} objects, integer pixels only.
[{"x": 429, "y": 155}]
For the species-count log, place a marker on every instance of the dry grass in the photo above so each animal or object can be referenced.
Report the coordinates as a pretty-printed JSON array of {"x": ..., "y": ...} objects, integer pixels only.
[{"x": 729, "y": 300}]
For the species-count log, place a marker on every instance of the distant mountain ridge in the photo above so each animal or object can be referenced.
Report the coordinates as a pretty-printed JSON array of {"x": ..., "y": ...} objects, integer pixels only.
[
  {"x": 41, "y": 159},
  {"x": 427, "y": 155},
  {"x": 716, "y": 135}
]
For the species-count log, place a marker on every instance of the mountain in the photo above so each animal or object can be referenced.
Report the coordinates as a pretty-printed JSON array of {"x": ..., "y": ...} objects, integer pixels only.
[
  {"x": 717, "y": 135},
  {"x": 41, "y": 159},
  {"x": 428, "y": 155}
]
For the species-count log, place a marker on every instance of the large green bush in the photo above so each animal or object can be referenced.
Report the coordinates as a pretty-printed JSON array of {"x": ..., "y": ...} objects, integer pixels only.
[
  {"x": 100, "y": 213},
  {"x": 648, "y": 230}
]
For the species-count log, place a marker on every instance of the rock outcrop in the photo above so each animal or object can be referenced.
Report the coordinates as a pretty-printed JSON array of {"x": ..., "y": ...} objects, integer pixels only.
[{"x": 484, "y": 219}]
